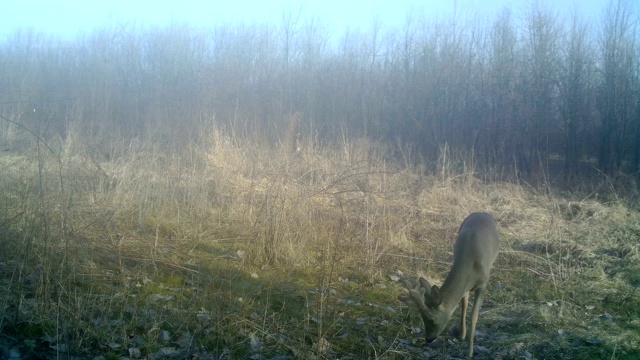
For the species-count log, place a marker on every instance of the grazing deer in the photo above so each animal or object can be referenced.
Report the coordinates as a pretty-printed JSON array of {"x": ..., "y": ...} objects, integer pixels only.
[{"x": 474, "y": 252}]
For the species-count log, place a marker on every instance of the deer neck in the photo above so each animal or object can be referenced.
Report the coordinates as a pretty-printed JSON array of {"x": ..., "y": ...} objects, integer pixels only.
[{"x": 455, "y": 286}]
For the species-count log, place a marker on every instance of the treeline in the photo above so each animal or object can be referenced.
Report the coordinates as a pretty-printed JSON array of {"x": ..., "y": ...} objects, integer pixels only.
[{"x": 518, "y": 91}]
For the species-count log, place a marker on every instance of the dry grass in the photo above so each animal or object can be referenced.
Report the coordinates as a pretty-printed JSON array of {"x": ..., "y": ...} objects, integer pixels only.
[{"x": 236, "y": 249}]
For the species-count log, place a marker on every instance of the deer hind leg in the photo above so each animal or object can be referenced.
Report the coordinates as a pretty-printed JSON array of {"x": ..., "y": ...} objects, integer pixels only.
[
  {"x": 477, "y": 303},
  {"x": 463, "y": 316}
]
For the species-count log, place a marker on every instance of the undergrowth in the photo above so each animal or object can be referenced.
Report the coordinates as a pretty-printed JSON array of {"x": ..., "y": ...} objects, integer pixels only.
[{"x": 235, "y": 249}]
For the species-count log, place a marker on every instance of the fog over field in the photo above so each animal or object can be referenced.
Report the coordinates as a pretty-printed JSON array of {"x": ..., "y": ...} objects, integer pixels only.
[{"x": 261, "y": 185}]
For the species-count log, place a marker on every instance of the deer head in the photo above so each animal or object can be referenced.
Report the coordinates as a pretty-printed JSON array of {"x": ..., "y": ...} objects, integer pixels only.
[{"x": 427, "y": 300}]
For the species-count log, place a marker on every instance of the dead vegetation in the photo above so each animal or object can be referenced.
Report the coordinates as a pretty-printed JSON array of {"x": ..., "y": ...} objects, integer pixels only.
[{"x": 235, "y": 249}]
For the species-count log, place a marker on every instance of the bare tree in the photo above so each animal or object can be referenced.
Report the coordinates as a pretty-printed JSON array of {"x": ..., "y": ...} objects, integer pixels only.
[
  {"x": 618, "y": 92},
  {"x": 541, "y": 47},
  {"x": 504, "y": 136},
  {"x": 576, "y": 88}
]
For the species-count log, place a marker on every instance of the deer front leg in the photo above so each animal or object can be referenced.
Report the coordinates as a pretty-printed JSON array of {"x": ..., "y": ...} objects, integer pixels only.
[
  {"x": 463, "y": 316},
  {"x": 477, "y": 303}
]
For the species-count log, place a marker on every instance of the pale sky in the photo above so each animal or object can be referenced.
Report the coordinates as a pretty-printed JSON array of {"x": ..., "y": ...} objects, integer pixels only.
[{"x": 66, "y": 18}]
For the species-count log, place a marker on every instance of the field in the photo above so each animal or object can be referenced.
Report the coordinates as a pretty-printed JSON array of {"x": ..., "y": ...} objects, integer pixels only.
[{"x": 237, "y": 249}]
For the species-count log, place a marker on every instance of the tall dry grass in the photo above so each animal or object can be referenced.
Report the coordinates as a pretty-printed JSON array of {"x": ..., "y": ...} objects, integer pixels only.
[{"x": 81, "y": 232}]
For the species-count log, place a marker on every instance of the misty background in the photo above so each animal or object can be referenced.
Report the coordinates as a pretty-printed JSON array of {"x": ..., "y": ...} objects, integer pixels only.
[{"x": 526, "y": 93}]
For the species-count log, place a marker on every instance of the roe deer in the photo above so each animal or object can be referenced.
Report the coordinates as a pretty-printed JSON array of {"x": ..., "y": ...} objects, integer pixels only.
[{"x": 474, "y": 252}]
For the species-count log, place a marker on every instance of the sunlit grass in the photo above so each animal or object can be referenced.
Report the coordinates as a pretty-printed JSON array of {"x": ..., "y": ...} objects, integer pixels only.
[{"x": 232, "y": 248}]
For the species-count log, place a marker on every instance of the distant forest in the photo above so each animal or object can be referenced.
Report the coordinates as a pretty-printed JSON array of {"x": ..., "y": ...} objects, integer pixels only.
[{"x": 515, "y": 93}]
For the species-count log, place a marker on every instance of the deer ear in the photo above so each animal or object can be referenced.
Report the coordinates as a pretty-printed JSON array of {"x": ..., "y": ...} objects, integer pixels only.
[
  {"x": 432, "y": 297},
  {"x": 424, "y": 283},
  {"x": 435, "y": 299}
]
